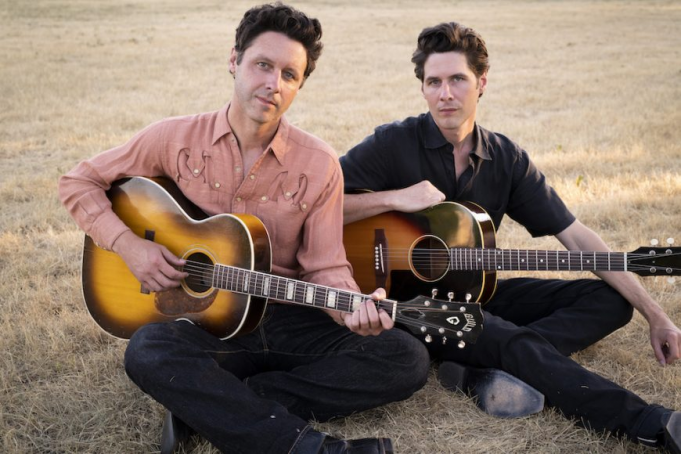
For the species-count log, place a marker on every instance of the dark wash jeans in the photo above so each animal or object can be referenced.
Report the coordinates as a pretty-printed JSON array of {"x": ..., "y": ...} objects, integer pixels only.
[
  {"x": 256, "y": 393},
  {"x": 532, "y": 326}
]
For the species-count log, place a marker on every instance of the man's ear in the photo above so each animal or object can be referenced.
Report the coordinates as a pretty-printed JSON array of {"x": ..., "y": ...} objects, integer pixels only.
[
  {"x": 482, "y": 84},
  {"x": 232, "y": 62}
]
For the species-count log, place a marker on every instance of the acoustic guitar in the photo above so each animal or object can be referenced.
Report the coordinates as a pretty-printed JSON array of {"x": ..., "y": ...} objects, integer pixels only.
[
  {"x": 228, "y": 259},
  {"x": 450, "y": 247}
]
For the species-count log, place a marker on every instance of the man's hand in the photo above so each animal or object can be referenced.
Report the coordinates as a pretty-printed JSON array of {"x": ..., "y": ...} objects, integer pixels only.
[
  {"x": 151, "y": 263},
  {"x": 665, "y": 338},
  {"x": 367, "y": 320},
  {"x": 417, "y": 197}
]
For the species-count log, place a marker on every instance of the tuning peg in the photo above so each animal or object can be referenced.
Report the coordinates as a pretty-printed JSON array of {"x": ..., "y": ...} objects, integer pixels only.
[
  {"x": 461, "y": 344},
  {"x": 459, "y": 334},
  {"x": 468, "y": 297},
  {"x": 433, "y": 293},
  {"x": 441, "y": 331},
  {"x": 670, "y": 241},
  {"x": 654, "y": 242},
  {"x": 424, "y": 329},
  {"x": 429, "y": 338},
  {"x": 444, "y": 340},
  {"x": 450, "y": 296}
]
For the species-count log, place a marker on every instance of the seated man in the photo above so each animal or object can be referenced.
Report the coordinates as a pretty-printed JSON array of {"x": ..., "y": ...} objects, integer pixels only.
[
  {"x": 255, "y": 393},
  {"x": 532, "y": 326}
]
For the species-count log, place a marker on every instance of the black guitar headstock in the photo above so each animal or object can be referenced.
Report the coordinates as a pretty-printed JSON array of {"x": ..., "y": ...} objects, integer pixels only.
[
  {"x": 655, "y": 261},
  {"x": 441, "y": 321}
]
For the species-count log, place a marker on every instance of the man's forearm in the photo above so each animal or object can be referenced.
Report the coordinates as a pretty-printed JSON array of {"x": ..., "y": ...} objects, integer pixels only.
[{"x": 361, "y": 206}]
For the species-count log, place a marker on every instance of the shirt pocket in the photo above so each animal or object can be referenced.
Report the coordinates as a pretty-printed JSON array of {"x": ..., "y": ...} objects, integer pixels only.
[{"x": 195, "y": 176}]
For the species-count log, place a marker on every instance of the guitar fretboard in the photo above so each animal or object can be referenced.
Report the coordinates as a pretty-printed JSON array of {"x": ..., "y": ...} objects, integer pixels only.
[
  {"x": 518, "y": 260},
  {"x": 265, "y": 285}
]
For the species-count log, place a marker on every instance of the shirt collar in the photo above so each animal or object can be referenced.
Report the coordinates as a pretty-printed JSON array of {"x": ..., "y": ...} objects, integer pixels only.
[
  {"x": 278, "y": 145},
  {"x": 434, "y": 139}
]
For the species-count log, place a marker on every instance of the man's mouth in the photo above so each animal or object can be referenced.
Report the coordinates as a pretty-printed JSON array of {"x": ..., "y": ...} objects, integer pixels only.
[{"x": 266, "y": 101}]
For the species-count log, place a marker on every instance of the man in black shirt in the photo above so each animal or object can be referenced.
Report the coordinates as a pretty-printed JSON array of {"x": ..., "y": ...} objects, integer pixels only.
[{"x": 532, "y": 326}]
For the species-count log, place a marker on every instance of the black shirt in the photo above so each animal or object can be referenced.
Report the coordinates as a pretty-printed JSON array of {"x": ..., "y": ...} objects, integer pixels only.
[{"x": 500, "y": 176}]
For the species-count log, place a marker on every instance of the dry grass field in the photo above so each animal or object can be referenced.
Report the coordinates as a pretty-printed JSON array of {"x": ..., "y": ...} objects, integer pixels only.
[{"x": 591, "y": 89}]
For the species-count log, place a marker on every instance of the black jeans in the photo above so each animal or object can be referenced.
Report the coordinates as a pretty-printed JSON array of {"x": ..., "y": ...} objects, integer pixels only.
[
  {"x": 256, "y": 393},
  {"x": 532, "y": 326}
]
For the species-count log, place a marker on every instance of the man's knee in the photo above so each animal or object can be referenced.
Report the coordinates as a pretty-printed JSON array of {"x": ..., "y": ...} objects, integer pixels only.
[
  {"x": 409, "y": 361},
  {"x": 619, "y": 310},
  {"x": 142, "y": 354}
]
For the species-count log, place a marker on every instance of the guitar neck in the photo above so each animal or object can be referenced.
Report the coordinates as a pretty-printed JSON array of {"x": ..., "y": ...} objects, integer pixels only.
[
  {"x": 525, "y": 260},
  {"x": 266, "y": 285}
]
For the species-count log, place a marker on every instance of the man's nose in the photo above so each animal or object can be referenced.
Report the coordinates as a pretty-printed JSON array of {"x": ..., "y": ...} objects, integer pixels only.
[{"x": 274, "y": 81}]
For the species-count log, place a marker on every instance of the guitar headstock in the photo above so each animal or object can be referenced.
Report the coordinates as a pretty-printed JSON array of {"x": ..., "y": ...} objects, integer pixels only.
[
  {"x": 441, "y": 321},
  {"x": 655, "y": 261}
]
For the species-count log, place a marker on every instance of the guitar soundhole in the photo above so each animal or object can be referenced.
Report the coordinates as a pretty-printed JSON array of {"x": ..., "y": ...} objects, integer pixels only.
[
  {"x": 200, "y": 268},
  {"x": 429, "y": 258}
]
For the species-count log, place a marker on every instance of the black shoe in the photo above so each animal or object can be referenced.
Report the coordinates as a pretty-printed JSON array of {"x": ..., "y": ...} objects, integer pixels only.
[
  {"x": 313, "y": 442},
  {"x": 672, "y": 432},
  {"x": 498, "y": 393},
  {"x": 174, "y": 432},
  {"x": 360, "y": 446}
]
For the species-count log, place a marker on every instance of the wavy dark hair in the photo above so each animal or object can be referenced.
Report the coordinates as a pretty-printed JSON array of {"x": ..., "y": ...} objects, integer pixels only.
[
  {"x": 277, "y": 17},
  {"x": 448, "y": 37}
]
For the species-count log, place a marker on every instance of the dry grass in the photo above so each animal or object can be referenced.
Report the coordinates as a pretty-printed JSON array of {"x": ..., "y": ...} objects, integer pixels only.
[{"x": 591, "y": 89}]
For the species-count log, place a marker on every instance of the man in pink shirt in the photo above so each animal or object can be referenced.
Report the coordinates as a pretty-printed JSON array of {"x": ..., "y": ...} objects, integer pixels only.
[{"x": 254, "y": 393}]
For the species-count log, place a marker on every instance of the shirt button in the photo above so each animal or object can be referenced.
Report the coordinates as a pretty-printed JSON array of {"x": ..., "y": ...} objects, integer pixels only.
[
  {"x": 196, "y": 171},
  {"x": 288, "y": 194},
  {"x": 237, "y": 169},
  {"x": 264, "y": 198},
  {"x": 217, "y": 185},
  {"x": 303, "y": 206},
  {"x": 238, "y": 199},
  {"x": 252, "y": 177}
]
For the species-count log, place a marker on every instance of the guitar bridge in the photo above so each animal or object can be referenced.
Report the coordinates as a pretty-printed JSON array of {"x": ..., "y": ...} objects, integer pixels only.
[{"x": 380, "y": 257}]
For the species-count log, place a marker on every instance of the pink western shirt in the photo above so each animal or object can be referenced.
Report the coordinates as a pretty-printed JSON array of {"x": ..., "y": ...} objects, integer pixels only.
[{"x": 295, "y": 188}]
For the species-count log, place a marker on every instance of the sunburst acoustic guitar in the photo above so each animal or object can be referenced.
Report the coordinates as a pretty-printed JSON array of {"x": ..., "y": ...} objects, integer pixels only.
[
  {"x": 450, "y": 247},
  {"x": 228, "y": 261}
]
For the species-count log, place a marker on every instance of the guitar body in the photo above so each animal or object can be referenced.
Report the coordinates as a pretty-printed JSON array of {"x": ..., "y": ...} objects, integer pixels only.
[
  {"x": 408, "y": 253},
  {"x": 156, "y": 210}
]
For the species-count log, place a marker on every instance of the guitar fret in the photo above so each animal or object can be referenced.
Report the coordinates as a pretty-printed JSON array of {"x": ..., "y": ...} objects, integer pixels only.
[
  {"x": 331, "y": 299},
  {"x": 266, "y": 286},
  {"x": 356, "y": 301}
]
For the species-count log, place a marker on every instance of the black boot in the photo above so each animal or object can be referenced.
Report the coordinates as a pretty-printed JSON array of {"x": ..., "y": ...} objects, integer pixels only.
[
  {"x": 174, "y": 432},
  {"x": 313, "y": 442},
  {"x": 497, "y": 393},
  {"x": 672, "y": 432}
]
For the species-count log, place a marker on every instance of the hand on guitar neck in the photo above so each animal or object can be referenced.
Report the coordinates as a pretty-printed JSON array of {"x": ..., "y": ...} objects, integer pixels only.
[
  {"x": 368, "y": 319},
  {"x": 151, "y": 263}
]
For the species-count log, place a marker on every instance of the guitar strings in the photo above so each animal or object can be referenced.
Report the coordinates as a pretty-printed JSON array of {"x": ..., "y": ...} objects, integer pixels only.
[
  {"x": 469, "y": 258},
  {"x": 202, "y": 270}
]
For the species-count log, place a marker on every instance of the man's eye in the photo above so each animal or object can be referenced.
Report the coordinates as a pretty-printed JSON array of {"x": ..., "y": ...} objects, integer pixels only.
[{"x": 262, "y": 64}]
